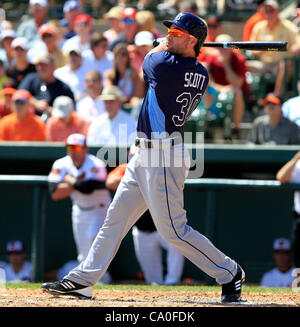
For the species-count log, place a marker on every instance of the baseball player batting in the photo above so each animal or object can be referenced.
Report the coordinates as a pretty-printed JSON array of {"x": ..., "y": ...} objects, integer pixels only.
[{"x": 154, "y": 179}]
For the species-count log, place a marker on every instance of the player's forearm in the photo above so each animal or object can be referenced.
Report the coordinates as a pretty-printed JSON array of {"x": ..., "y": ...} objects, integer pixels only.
[
  {"x": 284, "y": 174},
  {"x": 160, "y": 47},
  {"x": 62, "y": 191}
]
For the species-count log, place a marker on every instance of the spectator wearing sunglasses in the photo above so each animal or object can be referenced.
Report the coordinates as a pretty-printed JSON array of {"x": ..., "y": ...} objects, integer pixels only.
[
  {"x": 130, "y": 27},
  {"x": 64, "y": 121},
  {"x": 281, "y": 275},
  {"x": 22, "y": 124},
  {"x": 81, "y": 176}
]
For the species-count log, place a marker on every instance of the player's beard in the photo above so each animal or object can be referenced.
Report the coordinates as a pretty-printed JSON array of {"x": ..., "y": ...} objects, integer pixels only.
[{"x": 178, "y": 48}]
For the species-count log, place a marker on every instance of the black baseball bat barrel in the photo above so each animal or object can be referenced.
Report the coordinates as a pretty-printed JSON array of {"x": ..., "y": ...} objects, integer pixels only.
[
  {"x": 248, "y": 45},
  {"x": 243, "y": 45}
]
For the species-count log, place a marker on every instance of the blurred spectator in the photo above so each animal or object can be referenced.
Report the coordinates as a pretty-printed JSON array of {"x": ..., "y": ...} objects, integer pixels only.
[
  {"x": 64, "y": 121},
  {"x": 38, "y": 10},
  {"x": 114, "y": 126},
  {"x": 227, "y": 70},
  {"x": 146, "y": 22},
  {"x": 73, "y": 72},
  {"x": 71, "y": 10},
  {"x": 98, "y": 57},
  {"x": 168, "y": 7},
  {"x": 21, "y": 66},
  {"x": 143, "y": 43},
  {"x": 44, "y": 86},
  {"x": 130, "y": 28},
  {"x": 59, "y": 32},
  {"x": 50, "y": 38},
  {"x": 3, "y": 76},
  {"x": 147, "y": 5},
  {"x": 6, "y": 102},
  {"x": 22, "y": 124},
  {"x": 214, "y": 29},
  {"x": 290, "y": 173},
  {"x": 281, "y": 275},
  {"x": 83, "y": 27},
  {"x": 273, "y": 28},
  {"x": 189, "y": 6},
  {"x": 123, "y": 75},
  {"x": 251, "y": 22},
  {"x": 6, "y": 53},
  {"x": 290, "y": 108},
  {"x": 91, "y": 106},
  {"x": 18, "y": 269},
  {"x": 114, "y": 17},
  {"x": 148, "y": 243},
  {"x": 273, "y": 128},
  {"x": 81, "y": 176}
]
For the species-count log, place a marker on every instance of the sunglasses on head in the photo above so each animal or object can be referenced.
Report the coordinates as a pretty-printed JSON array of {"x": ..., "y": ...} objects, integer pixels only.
[
  {"x": 74, "y": 148},
  {"x": 177, "y": 33},
  {"x": 128, "y": 20}
]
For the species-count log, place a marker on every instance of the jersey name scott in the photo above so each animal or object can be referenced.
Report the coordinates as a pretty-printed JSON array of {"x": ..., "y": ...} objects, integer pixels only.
[{"x": 194, "y": 80}]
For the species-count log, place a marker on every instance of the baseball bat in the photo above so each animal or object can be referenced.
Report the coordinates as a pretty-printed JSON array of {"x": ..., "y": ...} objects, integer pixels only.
[
  {"x": 248, "y": 45},
  {"x": 244, "y": 45}
]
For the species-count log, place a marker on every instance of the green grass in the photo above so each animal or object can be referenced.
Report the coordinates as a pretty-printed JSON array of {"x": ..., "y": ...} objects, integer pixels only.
[{"x": 184, "y": 288}]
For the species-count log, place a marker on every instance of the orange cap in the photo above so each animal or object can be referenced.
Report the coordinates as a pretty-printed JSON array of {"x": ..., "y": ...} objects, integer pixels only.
[
  {"x": 21, "y": 95},
  {"x": 8, "y": 91},
  {"x": 272, "y": 98}
]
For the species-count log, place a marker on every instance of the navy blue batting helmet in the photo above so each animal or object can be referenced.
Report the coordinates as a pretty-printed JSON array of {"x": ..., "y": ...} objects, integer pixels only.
[{"x": 195, "y": 25}]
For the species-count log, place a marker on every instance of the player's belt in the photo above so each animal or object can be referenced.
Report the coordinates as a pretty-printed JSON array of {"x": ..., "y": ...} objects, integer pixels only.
[
  {"x": 91, "y": 208},
  {"x": 157, "y": 144}
]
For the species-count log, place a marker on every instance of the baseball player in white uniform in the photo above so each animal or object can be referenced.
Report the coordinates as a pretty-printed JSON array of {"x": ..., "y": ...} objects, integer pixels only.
[
  {"x": 177, "y": 82},
  {"x": 82, "y": 177}
]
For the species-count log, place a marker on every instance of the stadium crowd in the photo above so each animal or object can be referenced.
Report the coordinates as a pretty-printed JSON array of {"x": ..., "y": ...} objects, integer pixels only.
[{"x": 68, "y": 56}]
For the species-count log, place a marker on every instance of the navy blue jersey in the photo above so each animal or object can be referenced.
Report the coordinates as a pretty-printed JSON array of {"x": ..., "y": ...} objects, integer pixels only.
[{"x": 176, "y": 86}]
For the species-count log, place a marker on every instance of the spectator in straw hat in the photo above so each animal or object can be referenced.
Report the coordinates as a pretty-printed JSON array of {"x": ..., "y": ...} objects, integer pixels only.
[
  {"x": 114, "y": 18},
  {"x": 115, "y": 126},
  {"x": 281, "y": 275}
]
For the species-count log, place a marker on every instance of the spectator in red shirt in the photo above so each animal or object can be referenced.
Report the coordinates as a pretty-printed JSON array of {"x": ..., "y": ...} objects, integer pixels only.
[
  {"x": 64, "y": 121},
  {"x": 227, "y": 70},
  {"x": 6, "y": 101}
]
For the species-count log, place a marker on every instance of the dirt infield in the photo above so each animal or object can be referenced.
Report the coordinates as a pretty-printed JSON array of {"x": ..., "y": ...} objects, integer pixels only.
[{"x": 119, "y": 298}]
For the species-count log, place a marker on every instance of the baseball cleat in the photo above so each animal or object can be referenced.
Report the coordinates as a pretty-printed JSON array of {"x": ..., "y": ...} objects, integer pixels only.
[
  {"x": 67, "y": 287},
  {"x": 232, "y": 291}
]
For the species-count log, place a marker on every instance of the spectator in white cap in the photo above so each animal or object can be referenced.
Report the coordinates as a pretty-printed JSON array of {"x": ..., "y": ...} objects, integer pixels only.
[
  {"x": 21, "y": 66},
  {"x": 71, "y": 10},
  {"x": 6, "y": 53},
  {"x": 115, "y": 126},
  {"x": 281, "y": 275},
  {"x": 64, "y": 121},
  {"x": 143, "y": 43},
  {"x": 81, "y": 176},
  {"x": 18, "y": 269},
  {"x": 74, "y": 71}
]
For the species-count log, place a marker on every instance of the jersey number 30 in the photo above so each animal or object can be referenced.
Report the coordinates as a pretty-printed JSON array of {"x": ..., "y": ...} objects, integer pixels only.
[{"x": 189, "y": 104}]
